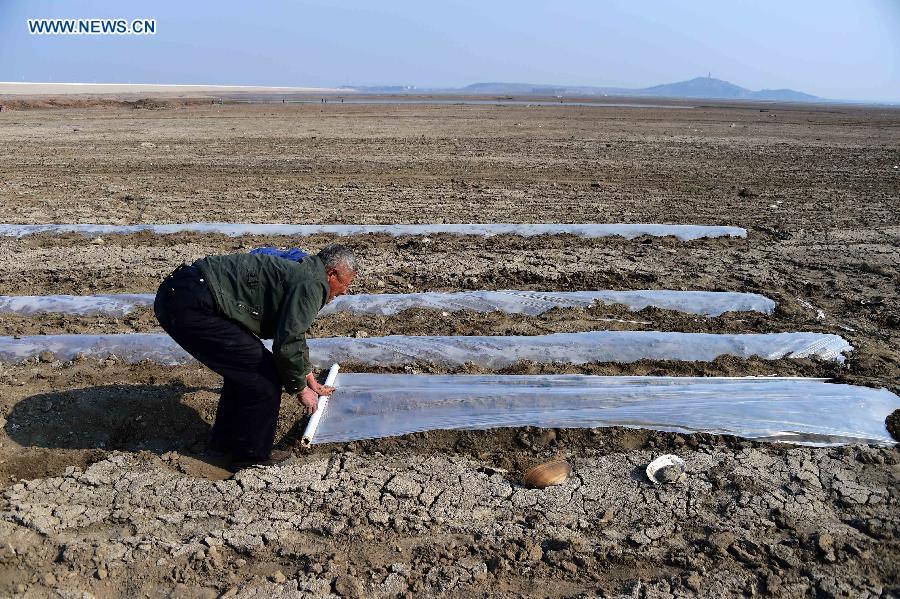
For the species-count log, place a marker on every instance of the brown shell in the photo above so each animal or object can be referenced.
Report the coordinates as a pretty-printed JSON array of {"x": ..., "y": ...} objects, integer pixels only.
[{"x": 547, "y": 474}]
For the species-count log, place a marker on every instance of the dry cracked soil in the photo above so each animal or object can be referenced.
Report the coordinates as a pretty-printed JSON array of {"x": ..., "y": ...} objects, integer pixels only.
[{"x": 106, "y": 491}]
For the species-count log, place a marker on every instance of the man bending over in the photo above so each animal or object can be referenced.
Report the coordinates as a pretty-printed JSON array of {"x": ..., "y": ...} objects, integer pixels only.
[{"x": 220, "y": 307}]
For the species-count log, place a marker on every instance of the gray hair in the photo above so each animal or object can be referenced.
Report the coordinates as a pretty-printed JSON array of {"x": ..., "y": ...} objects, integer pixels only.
[{"x": 337, "y": 255}]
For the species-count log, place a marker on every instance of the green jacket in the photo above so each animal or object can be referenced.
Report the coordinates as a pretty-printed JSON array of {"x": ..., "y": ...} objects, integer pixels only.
[{"x": 274, "y": 299}]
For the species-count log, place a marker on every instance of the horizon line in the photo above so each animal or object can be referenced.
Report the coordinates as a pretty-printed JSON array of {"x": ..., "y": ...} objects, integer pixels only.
[{"x": 354, "y": 88}]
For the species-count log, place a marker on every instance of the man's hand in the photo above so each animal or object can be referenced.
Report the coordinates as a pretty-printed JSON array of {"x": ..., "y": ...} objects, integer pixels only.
[
  {"x": 309, "y": 399},
  {"x": 312, "y": 383}
]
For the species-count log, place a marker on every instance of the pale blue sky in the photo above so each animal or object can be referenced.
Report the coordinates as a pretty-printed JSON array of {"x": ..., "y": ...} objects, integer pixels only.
[{"x": 831, "y": 48}]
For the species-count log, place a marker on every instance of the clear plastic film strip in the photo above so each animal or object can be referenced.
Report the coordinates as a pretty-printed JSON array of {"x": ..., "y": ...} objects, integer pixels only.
[
  {"x": 117, "y": 304},
  {"x": 705, "y": 303},
  {"x": 795, "y": 410},
  {"x": 574, "y": 348},
  {"x": 588, "y": 230},
  {"x": 488, "y": 352}
]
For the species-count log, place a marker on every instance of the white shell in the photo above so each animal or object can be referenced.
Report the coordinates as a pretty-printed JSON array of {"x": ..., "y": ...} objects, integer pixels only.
[{"x": 654, "y": 468}]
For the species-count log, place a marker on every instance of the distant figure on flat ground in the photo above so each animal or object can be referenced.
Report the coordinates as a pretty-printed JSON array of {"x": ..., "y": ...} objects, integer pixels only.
[{"x": 220, "y": 307}]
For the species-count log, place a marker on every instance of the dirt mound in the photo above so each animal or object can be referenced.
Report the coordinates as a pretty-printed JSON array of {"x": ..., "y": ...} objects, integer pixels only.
[{"x": 70, "y": 413}]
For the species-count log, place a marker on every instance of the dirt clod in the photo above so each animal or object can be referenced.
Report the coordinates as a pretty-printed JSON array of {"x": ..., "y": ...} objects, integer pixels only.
[
  {"x": 347, "y": 586},
  {"x": 893, "y": 424}
]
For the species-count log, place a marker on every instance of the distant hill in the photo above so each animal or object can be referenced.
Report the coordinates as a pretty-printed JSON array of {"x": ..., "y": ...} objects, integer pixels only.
[
  {"x": 784, "y": 95},
  {"x": 700, "y": 87},
  {"x": 537, "y": 89},
  {"x": 708, "y": 87},
  {"x": 515, "y": 88}
]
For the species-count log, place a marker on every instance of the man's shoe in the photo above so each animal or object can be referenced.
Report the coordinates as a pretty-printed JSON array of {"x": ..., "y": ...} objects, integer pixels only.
[
  {"x": 219, "y": 459},
  {"x": 277, "y": 456}
]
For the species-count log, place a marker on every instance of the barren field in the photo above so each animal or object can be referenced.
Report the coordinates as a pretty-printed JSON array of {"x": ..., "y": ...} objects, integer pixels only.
[{"x": 104, "y": 489}]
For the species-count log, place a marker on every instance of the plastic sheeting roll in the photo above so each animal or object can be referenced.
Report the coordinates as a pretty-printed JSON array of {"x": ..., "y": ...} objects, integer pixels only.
[
  {"x": 313, "y": 424},
  {"x": 811, "y": 411},
  {"x": 628, "y": 231},
  {"x": 489, "y": 352},
  {"x": 707, "y": 303}
]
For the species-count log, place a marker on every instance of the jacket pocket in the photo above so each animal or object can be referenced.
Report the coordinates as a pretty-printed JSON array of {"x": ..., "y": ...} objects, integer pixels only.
[
  {"x": 251, "y": 303},
  {"x": 252, "y": 311}
]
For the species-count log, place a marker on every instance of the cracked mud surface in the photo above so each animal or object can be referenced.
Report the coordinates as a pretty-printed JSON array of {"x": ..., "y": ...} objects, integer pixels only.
[
  {"x": 375, "y": 524},
  {"x": 118, "y": 501}
]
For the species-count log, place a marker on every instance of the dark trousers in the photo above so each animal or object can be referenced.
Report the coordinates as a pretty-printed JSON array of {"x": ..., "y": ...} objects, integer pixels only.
[{"x": 251, "y": 394}]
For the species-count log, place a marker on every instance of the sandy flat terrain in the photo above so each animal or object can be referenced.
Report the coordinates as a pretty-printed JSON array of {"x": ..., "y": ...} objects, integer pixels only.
[
  {"x": 117, "y": 502},
  {"x": 55, "y": 89}
]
